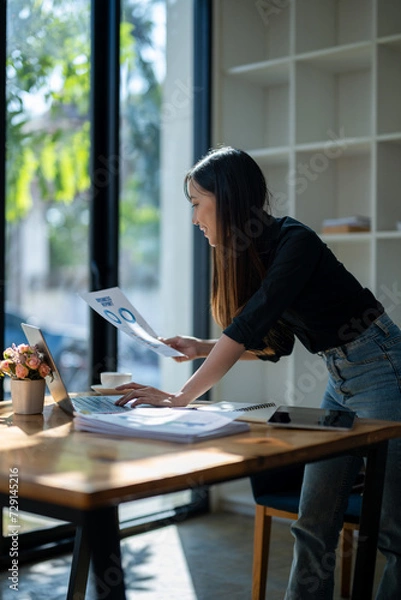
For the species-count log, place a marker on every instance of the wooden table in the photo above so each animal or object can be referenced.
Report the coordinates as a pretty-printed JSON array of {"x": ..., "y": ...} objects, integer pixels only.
[{"x": 82, "y": 478}]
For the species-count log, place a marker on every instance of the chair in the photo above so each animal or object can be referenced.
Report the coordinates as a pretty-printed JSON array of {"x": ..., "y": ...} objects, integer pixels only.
[{"x": 277, "y": 495}]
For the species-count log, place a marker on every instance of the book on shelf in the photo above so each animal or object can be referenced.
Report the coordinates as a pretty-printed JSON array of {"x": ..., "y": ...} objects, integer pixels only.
[
  {"x": 184, "y": 425},
  {"x": 346, "y": 224}
]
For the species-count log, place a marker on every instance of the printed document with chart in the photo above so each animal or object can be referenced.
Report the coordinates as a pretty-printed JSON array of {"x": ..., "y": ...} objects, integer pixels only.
[{"x": 115, "y": 307}]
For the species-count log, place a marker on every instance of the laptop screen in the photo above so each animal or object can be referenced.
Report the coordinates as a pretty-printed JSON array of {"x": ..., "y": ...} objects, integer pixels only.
[{"x": 55, "y": 384}]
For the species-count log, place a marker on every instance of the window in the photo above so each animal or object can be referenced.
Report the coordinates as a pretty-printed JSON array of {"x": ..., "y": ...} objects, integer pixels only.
[
  {"x": 143, "y": 67},
  {"x": 47, "y": 185}
]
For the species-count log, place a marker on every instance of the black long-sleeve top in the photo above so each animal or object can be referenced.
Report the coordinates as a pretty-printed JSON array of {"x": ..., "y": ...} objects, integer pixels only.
[{"x": 307, "y": 288}]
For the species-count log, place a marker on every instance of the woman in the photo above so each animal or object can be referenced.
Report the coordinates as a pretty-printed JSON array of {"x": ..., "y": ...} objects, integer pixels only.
[{"x": 273, "y": 279}]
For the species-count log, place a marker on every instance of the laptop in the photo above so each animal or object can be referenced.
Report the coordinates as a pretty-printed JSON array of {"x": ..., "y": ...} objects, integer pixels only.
[
  {"x": 302, "y": 417},
  {"x": 70, "y": 404}
]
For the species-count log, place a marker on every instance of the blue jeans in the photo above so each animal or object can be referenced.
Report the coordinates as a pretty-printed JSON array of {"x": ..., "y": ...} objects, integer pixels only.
[{"x": 364, "y": 376}]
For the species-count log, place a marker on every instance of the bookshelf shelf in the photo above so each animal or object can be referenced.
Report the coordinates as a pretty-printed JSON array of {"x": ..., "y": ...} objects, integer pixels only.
[
  {"x": 340, "y": 59},
  {"x": 272, "y": 72}
]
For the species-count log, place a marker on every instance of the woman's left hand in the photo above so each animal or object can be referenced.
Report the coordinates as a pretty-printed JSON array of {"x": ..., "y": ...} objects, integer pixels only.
[{"x": 137, "y": 394}]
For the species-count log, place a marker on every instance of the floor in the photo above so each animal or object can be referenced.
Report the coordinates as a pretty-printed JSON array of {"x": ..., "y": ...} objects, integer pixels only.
[{"x": 204, "y": 558}]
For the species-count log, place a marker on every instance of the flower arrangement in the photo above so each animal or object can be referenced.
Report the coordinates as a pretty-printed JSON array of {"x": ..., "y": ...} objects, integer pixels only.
[{"x": 24, "y": 362}]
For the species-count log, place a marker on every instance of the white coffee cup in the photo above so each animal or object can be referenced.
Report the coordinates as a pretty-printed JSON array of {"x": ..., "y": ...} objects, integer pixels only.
[{"x": 111, "y": 379}]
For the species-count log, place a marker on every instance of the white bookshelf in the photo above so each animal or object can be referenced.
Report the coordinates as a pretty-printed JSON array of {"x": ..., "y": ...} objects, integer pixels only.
[{"x": 312, "y": 90}]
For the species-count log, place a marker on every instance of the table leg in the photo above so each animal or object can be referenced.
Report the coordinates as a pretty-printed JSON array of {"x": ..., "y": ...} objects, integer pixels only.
[
  {"x": 369, "y": 524},
  {"x": 80, "y": 566},
  {"x": 101, "y": 526}
]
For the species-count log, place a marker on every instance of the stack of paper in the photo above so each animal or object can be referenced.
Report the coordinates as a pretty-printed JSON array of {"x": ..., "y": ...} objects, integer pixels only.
[{"x": 168, "y": 424}]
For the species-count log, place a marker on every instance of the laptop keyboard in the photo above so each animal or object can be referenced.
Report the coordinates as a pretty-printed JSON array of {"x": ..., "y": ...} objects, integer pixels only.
[{"x": 97, "y": 404}]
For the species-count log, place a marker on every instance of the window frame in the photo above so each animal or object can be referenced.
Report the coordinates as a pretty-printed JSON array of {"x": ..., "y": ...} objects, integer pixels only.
[{"x": 202, "y": 132}]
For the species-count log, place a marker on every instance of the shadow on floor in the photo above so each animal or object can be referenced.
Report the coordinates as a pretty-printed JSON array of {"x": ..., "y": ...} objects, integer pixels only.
[{"x": 205, "y": 558}]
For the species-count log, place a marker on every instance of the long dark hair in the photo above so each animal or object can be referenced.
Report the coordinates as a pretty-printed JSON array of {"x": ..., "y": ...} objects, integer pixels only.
[{"x": 242, "y": 211}]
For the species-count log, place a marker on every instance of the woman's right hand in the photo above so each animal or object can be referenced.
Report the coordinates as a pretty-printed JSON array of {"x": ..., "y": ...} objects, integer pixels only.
[{"x": 190, "y": 346}]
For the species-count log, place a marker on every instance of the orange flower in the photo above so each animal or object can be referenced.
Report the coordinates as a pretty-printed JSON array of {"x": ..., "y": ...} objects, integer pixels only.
[
  {"x": 33, "y": 361},
  {"x": 21, "y": 371},
  {"x": 44, "y": 370}
]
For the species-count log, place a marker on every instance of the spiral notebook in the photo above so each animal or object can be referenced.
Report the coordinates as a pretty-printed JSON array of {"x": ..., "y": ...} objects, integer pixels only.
[{"x": 243, "y": 411}]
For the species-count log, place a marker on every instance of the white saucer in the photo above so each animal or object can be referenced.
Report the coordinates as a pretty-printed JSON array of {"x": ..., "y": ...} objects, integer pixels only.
[{"x": 105, "y": 391}]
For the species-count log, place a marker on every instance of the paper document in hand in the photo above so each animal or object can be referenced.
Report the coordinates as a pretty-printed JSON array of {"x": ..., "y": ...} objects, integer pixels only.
[
  {"x": 168, "y": 424},
  {"x": 113, "y": 305}
]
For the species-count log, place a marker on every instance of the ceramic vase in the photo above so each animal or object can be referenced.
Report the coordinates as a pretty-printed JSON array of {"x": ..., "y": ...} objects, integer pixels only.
[{"x": 28, "y": 396}]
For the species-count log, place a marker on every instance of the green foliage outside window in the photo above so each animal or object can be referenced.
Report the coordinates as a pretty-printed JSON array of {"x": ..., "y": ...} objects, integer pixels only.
[{"x": 48, "y": 150}]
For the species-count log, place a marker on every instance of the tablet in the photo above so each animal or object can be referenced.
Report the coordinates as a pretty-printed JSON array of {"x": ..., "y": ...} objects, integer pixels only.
[{"x": 302, "y": 417}]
